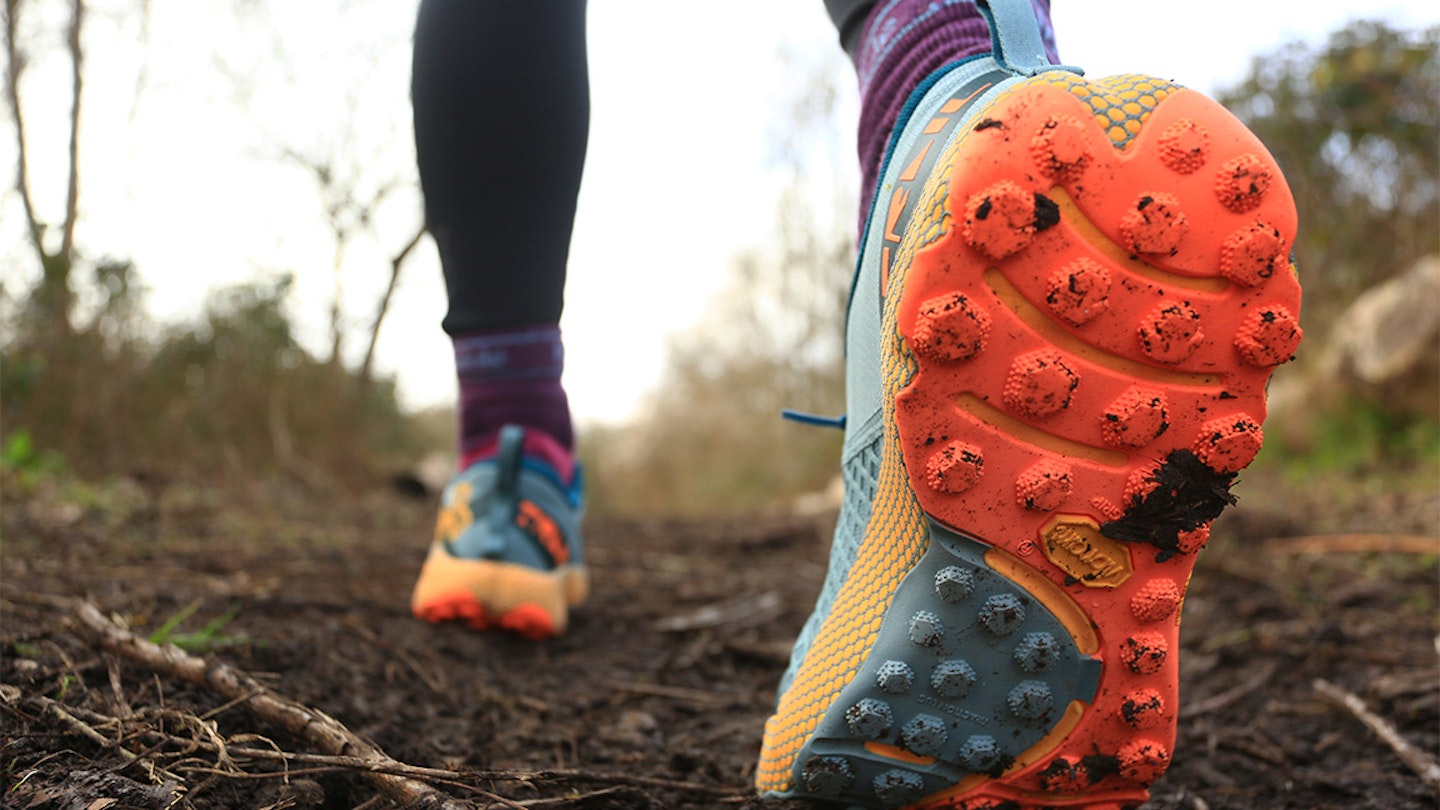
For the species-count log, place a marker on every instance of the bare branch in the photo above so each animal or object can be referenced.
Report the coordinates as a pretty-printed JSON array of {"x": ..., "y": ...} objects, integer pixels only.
[
  {"x": 72, "y": 190},
  {"x": 142, "y": 75},
  {"x": 384, "y": 306},
  {"x": 1419, "y": 760},
  {"x": 15, "y": 67}
]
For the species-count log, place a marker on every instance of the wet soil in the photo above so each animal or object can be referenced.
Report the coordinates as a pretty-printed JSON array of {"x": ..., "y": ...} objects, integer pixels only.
[{"x": 657, "y": 696}]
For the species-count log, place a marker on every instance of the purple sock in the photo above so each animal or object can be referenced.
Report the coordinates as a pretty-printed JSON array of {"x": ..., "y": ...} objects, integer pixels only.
[
  {"x": 902, "y": 42},
  {"x": 513, "y": 377}
]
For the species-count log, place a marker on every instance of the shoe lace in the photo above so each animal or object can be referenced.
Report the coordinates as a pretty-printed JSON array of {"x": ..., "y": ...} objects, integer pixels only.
[{"x": 813, "y": 419}]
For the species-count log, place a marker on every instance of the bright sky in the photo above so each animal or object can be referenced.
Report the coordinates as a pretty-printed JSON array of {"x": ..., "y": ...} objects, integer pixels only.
[{"x": 188, "y": 177}]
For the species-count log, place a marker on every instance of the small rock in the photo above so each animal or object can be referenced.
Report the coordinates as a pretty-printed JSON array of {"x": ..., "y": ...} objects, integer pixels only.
[
  {"x": 1384, "y": 345},
  {"x": 637, "y": 728}
]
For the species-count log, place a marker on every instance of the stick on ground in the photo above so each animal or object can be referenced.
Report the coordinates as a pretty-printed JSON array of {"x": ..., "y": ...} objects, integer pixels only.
[
  {"x": 1421, "y": 762},
  {"x": 312, "y": 725}
]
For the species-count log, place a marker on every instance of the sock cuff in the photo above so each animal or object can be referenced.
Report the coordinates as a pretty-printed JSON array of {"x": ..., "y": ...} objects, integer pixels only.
[
  {"x": 900, "y": 24},
  {"x": 528, "y": 353},
  {"x": 890, "y": 22},
  {"x": 900, "y": 43}
]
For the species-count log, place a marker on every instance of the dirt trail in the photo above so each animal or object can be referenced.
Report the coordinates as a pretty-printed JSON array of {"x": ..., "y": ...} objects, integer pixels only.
[{"x": 657, "y": 696}]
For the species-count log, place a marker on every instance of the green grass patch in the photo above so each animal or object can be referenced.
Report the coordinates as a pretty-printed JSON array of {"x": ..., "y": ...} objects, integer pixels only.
[
  {"x": 207, "y": 638},
  {"x": 1354, "y": 436}
]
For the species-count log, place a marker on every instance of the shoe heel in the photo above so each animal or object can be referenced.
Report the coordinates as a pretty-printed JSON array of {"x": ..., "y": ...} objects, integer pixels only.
[{"x": 489, "y": 594}]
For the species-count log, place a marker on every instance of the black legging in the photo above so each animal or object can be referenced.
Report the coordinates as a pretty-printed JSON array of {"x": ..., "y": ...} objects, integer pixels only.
[{"x": 502, "y": 110}]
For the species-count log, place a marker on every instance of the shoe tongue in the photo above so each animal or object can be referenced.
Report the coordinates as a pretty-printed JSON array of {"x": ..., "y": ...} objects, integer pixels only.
[{"x": 507, "y": 463}]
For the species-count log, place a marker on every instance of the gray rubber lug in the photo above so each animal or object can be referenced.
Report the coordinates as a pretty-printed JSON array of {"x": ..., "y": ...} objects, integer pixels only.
[{"x": 968, "y": 670}]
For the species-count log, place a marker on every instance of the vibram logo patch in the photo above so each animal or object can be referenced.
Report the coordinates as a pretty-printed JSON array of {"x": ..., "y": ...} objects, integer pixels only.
[{"x": 1074, "y": 543}]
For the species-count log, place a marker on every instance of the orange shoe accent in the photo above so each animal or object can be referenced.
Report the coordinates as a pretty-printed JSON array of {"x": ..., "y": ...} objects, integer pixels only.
[
  {"x": 528, "y": 620},
  {"x": 539, "y": 525},
  {"x": 897, "y": 204},
  {"x": 909, "y": 174}
]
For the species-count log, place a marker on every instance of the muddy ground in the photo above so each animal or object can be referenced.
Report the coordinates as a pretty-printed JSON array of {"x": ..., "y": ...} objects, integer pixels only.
[{"x": 657, "y": 697}]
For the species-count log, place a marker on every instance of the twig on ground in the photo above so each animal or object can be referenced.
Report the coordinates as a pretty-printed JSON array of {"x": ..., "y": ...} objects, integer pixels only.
[
  {"x": 227, "y": 705},
  {"x": 242, "y": 775},
  {"x": 332, "y": 762},
  {"x": 1419, "y": 761},
  {"x": 1229, "y": 696},
  {"x": 400, "y": 782},
  {"x": 1354, "y": 544},
  {"x": 399, "y": 652},
  {"x": 81, "y": 727},
  {"x": 67, "y": 715},
  {"x": 747, "y": 610},
  {"x": 11, "y": 695},
  {"x": 561, "y": 801},
  {"x": 673, "y": 692},
  {"x": 311, "y": 725}
]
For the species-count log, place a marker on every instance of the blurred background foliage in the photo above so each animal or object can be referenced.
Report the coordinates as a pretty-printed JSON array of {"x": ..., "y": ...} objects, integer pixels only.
[
  {"x": 90, "y": 386},
  {"x": 1354, "y": 126},
  {"x": 231, "y": 394}
]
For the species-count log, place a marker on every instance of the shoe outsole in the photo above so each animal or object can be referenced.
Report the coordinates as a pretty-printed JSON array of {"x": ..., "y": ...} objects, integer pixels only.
[
  {"x": 488, "y": 594},
  {"x": 1093, "y": 293}
]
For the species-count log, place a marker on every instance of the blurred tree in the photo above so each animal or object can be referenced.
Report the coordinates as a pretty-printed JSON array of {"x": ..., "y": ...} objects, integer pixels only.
[
  {"x": 54, "y": 297},
  {"x": 84, "y": 375},
  {"x": 47, "y": 50},
  {"x": 711, "y": 438},
  {"x": 1354, "y": 126},
  {"x": 366, "y": 200}
]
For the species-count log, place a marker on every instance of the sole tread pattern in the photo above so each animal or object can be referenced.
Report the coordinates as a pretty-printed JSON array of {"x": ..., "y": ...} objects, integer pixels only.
[{"x": 1135, "y": 302}]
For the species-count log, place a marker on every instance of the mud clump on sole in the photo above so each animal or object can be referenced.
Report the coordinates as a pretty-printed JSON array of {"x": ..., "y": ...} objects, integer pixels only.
[
  {"x": 1047, "y": 212},
  {"x": 1187, "y": 495}
]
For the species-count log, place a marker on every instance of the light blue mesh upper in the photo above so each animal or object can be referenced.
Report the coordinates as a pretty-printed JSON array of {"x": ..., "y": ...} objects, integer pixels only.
[
  {"x": 495, "y": 487},
  {"x": 860, "y": 472},
  {"x": 1015, "y": 34},
  {"x": 864, "y": 427}
]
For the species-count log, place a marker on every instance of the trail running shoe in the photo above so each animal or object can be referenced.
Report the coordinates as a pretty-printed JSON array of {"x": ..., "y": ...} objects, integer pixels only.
[
  {"x": 1071, "y": 295},
  {"x": 507, "y": 551}
]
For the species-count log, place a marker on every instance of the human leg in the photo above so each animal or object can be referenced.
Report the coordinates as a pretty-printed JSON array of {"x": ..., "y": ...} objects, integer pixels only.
[
  {"x": 1070, "y": 297},
  {"x": 501, "y": 101}
]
